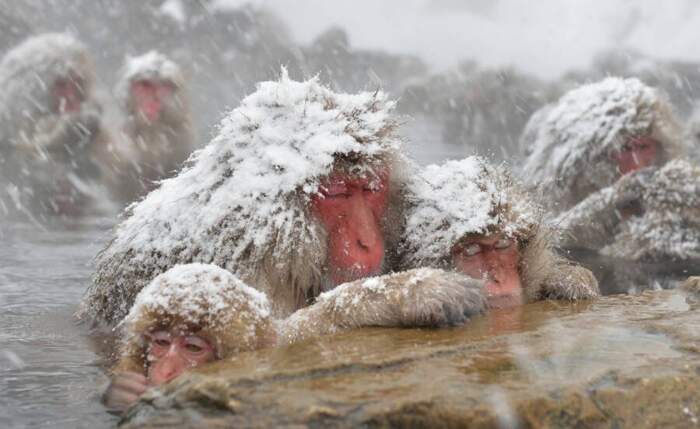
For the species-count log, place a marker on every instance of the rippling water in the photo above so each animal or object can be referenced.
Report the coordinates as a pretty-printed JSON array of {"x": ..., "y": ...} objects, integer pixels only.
[{"x": 50, "y": 373}]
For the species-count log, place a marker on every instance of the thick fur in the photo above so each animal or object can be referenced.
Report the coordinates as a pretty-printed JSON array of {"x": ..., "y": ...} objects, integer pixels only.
[
  {"x": 574, "y": 139},
  {"x": 544, "y": 274},
  {"x": 49, "y": 160},
  {"x": 422, "y": 297},
  {"x": 233, "y": 325},
  {"x": 269, "y": 239}
]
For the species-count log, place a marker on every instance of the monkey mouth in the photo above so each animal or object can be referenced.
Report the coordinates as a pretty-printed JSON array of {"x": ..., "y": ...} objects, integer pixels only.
[
  {"x": 499, "y": 296},
  {"x": 356, "y": 272}
]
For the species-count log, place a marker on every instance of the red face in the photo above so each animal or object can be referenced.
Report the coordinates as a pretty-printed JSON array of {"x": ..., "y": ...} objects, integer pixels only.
[
  {"x": 67, "y": 96},
  {"x": 149, "y": 97},
  {"x": 351, "y": 210},
  {"x": 169, "y": 355},
  {"x": 495, "y": 259},
  {"x": 637, "y": 153}
]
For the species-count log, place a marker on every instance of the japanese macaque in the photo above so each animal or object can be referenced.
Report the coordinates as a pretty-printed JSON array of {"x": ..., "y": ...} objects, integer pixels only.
[
  {"x": 471, "y": 217},
  {"x": 50, "y": 128},
  {"x": 195, "y": 314},
  {"x": 188, "y": 316},
  {"x": 301, "y": 190},
  {"x": 596, "y": 134},
  {"x": 157, "y": 128}
]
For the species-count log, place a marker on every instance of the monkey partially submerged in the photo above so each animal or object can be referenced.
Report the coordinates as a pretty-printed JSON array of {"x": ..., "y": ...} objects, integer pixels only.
[
  {"x": 594, "y": 135},
  {"x": 473, "y": 218},
  {"x": 648, "y": 223},
  {"x": 50, "y": 129},
  {"x": 157, "y": 134},
  {"x": 301, "y": 190}
]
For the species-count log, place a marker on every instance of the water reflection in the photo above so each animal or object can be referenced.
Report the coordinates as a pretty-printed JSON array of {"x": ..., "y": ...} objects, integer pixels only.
[{"x": 48, "y": 372}]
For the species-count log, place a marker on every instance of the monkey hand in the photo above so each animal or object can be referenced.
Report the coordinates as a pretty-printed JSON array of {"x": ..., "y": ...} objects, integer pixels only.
[
  {"x": 570, "y": 282},
  {"x": 692, "y": 289},
  {"x": 124, "y": 390},
  {"x": 630, "y": 188}
]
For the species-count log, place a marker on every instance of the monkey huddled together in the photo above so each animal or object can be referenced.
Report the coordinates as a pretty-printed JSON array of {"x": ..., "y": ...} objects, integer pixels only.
[
  {"x": 58, "y": 155},
  {"x": 303, "y": 216}
]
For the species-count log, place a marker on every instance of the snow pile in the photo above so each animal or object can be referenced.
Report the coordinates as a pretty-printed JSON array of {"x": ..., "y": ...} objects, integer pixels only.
[
  {"x": 576, "y": 138},
  {"x": 669, "y": 229},
  {"x": 199, "y": 294},
  {"x": 241, "y": 201},
  {"x": 460, "y": 198},
  {"x": 152, "y": 66}
]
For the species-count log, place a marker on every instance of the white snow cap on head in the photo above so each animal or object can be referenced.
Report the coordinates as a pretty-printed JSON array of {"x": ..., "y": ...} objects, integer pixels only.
[
  {"x": 235, "y": 195},
  {"x": 151, "y": 65},
  {"x": 200, "y": 294},
  {"x": 588, "y": 124},
  {"x": 460, "y": 198}
]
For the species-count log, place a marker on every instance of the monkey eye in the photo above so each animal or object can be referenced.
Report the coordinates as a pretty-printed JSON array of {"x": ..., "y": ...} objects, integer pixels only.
[
  {"x": 334, "y": 190},
  {"x": 503, "y": 243},
  {"x": 472, "y": 249},
  {"x": 195, "y": 344}
]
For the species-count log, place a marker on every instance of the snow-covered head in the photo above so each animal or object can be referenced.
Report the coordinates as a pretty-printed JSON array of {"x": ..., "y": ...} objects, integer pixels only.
[
  {"x": 243, "y": 201},
  {"x": 459, "y": 199},
  {"x": 150, "y": 83},
  {"x": 30, "y": 73},
  {"x": 198, "y": 299},
  {"x": 578, "y": 139}
]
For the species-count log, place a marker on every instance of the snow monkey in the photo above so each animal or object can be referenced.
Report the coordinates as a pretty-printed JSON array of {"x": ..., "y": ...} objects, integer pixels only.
[
  {"x": 194, "y": 314},
  {"x": 50, "y": 127},
  {"x": 300, "y": 191},
  {"x": 473, "y": 218},
  {"x": 596, "y": 134},
  {"x": 158, "y": 126},
  {"x": 188, "y": 316}
]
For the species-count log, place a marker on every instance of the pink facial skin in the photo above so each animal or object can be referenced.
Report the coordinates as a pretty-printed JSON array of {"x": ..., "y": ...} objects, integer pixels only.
[
  {"x": 351, "y": 211},
  {"x": 169, "y": 355},
  {"x": 149, "y": 97},
  {"x": 495, "y": 259},
  {"x": 637, "y": 153},
  {"x": 67, "y": 96}
]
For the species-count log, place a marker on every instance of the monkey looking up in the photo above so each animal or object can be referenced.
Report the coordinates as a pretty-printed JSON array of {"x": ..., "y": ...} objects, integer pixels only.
[
  {"x": 473, "y": 218},
  {"x": 50, "y": 128},
  {"x": 157, "y": 130},
  {"x": 301, "y": 190}
]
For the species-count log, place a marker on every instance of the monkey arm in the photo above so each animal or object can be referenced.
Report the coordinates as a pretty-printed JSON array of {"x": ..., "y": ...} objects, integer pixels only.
[
  {"x": 591, "y": 223},
  {"x": 415, "y": 298}
]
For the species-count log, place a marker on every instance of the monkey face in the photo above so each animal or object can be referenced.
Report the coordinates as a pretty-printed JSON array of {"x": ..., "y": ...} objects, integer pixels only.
[
  {"x": 150, "y": 97},
  {"x": 351, "y": 210},
  {"x": 637, "y": 153},
  {"x": 171, "y": 353},
  {"x": 67, "y": 95},
  {"x": 495, "y": 259}
]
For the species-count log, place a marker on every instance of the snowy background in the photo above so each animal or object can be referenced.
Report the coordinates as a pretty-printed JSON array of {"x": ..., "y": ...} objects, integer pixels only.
[{"x": 468, "y": 73}]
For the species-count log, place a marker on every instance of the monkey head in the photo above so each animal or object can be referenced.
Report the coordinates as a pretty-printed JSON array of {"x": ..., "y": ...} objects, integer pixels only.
[
  {"x": 150, "y": 88},
  {"x": 471, "y": 217},
  {"x": 595, "y": 134},
  {"x": 190, "y": 315}
]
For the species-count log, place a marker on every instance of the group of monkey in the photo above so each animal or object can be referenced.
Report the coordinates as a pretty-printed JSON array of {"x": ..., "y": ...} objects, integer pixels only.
[{"x": 303, "y": 216}]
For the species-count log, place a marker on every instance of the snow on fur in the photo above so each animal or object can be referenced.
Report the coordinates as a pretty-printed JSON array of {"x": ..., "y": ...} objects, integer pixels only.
[
  {"x": 575, "y": 138},
  {"x": 28, "y": 71},
  {"x": 459, "y": 198},
  {"x": 198, "y": 293},
  {"x": 151, "y": 66},
  {"x": 669, "y": 229},
  {"x": 241, "y": 200}
]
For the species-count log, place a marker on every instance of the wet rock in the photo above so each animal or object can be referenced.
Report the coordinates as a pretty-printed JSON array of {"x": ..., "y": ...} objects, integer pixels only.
[{"x": 623, "y": 361}]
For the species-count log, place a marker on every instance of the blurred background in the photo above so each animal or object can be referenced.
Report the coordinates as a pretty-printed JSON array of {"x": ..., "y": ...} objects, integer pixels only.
[{"x": 468, "y": 73}]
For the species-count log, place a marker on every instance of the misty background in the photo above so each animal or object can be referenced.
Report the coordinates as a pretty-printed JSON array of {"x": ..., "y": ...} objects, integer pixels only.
[{"x": 468, "y": 74}]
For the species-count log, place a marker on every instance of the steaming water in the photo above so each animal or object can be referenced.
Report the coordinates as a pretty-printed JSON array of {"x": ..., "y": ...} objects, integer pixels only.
[{"x": 50, "y": 375}]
